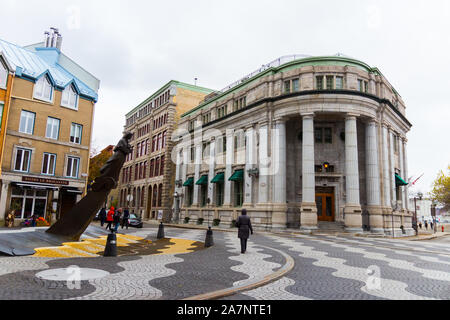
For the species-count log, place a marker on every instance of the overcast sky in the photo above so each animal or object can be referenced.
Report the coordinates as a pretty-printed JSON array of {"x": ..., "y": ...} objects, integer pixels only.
[{"x": 134, "y": 47}]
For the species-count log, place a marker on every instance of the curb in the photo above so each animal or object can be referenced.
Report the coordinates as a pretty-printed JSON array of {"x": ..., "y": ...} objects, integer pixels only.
[{"x": 288, "y": 266}]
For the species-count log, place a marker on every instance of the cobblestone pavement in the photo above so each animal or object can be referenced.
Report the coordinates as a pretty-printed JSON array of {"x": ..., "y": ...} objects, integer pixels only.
[{"x": 326, "y": 267}]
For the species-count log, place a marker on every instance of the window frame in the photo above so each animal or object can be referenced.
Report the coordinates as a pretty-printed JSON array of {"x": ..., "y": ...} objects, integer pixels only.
[
  {"x": 46, "y": 128},
  {"x": 26, "y": 124},
  {"x": 6, "y": 73},
  {"x": 68, "y": 91},
  {"x": 48, "y": 163},
  {"x": 43, "y": 81},
  {"x": 74, "y": 124},
  {"x": 71, "y": 167},
  {"x": 21, "y": 161}
]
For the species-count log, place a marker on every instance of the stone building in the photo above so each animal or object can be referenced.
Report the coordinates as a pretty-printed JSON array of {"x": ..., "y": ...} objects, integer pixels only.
[
  {"x": 46, "y": 129},
  {"x": 304, "y": 142},
  {"x": 147, "y": 177}
]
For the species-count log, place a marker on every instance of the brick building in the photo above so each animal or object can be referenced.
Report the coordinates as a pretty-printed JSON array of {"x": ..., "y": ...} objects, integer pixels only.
[
  {"x": 147, "y": 178},
  {"x": 46, "y": 129}
]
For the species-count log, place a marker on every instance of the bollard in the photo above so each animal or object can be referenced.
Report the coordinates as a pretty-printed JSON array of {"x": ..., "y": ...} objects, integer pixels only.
[
  {"x": 111, "y": 248},
  {"x": 209, "y": 238},
  {"x": 160, "y": 231}
]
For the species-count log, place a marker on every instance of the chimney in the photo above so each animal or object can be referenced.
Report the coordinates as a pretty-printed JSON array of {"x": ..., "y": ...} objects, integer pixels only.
[{"x": 47, "y": 39}]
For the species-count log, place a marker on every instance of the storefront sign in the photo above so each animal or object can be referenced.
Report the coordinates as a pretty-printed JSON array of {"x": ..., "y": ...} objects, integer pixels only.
[{"x": 44, "y": 180}]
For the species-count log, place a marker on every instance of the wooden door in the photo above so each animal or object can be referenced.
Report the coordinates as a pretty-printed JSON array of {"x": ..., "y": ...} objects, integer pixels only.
[{"x": 325, "y": 206}]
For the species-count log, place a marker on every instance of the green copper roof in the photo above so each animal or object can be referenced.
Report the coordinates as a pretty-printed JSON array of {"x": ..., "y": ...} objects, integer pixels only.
[
  {"x": 297, "y": 63},
  {"x": 165, "y": 87}
]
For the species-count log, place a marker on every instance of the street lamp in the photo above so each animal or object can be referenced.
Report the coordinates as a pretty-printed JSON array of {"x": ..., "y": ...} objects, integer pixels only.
[
  {"x": 433, "y": 214},
  {"x": 394, "y": 208}
]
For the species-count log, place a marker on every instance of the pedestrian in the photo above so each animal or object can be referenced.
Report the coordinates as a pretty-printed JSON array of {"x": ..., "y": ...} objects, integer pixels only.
[
  {"x": 431, "y": 225},
  {"x": 9, "y": 220},
  {"x": 33, "y": 220},
  {"x": 110, "y": 218},
  {"x": 126, "y": 216},
  {"x": 426, "y": 224},
  {"x": 244, "y": 224},
  {"x": 116, "y": 218},
  {"x": 102, "y": 216},
  {"x": 420, "y": 225}
]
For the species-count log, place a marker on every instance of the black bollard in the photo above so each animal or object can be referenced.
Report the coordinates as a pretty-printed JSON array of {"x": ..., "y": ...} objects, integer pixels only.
[
  {"x": 209, "y": 238},
  {"x": 111, "y": 248},
  {"x": 160, "y": 231}
]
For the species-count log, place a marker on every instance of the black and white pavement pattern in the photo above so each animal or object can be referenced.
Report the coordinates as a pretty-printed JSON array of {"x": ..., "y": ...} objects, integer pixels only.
[{"x": 326, "y": 267}]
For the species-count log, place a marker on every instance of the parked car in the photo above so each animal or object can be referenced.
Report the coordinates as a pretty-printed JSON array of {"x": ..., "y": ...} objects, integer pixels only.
[{"x": 135, "y": 221}]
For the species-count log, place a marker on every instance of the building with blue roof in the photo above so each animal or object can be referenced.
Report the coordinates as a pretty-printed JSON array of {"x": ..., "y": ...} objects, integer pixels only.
[{"x": 47, "y": 105}]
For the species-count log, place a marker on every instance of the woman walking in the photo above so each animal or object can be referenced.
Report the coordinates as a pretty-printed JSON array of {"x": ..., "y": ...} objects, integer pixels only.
[{"x": 244, "y": 224}]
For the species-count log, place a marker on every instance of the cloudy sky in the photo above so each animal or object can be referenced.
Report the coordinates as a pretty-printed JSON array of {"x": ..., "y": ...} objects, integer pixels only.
[{"x": 134, "y": 47}]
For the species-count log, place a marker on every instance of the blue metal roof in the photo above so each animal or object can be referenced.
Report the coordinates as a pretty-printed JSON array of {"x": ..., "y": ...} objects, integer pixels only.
[{"x": 34, "y": 64}]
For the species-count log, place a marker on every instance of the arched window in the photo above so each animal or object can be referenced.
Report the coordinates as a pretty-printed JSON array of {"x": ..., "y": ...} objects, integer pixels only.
[
  {"x": 138, "y": 195},
  {"x": 142, "y": 196},
  {"x": 69, "y": 98},
  {"x": 155, "y": 194},
  {"x": 134, "y": 197},
  {"x": 43, "y": 89},
  {"x": 160, "y": 195}
]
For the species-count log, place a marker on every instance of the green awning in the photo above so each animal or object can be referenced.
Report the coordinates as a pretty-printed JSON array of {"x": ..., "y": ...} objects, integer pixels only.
[
  {"x": 218, "y": 178},
  {"x": 203, "y": 180},
  {"x": 238, "y": 175},
  {"x": 188, "y": 182},
  {"x": 399, "y": 181}
]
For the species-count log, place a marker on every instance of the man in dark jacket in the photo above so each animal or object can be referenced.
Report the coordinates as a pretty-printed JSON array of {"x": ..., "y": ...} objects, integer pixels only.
[
  {"x": 244, "y": 224},
  {"x": 102, "y": 216}
]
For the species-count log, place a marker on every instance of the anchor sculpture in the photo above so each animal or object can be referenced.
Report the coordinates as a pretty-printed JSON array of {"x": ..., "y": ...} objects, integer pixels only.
[{"x": 74, "y": 223}]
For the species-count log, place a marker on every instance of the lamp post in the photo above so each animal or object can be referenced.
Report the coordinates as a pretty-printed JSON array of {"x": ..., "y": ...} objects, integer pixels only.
[
  {"x": 394, "y": 208},
  {"x": 433, "y": 215}
]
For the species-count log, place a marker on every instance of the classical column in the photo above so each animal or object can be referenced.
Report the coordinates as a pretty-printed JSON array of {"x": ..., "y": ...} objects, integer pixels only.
[
  {"x": 212, "y": 161},
  {"x": 198, "y": 162},
  {"x": 279, "y": 217},
  {"x": 228, "y": 168},
  {"x": 249, "y": 163},
  {"x": 392, "y": 173},
  {"x": 352, "y": 210},
  {"x": 373, "y": 178},
  {"x": 264, "y": 164},
  {"x": 402, "y": 173},
  {"x": 405, "y": 168},
  {"x": 386, "y": 174},
  {"x": 308, "y": 209}
]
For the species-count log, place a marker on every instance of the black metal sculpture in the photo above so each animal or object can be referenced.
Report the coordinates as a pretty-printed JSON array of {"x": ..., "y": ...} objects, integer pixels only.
[{"x": 74, "y": 223}]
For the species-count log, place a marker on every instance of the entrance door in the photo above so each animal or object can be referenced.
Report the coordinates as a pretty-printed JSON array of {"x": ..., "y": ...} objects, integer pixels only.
[{"x": 325, "y": 206}]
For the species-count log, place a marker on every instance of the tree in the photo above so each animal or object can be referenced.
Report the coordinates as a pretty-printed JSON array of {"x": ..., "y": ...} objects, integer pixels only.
[
  {"x": 97, "y": 162},
  {"x": 441, "y": 189}
]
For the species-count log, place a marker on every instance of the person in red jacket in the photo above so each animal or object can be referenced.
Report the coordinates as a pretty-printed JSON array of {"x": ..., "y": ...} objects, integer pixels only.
[{"x": 110, "y": 218}]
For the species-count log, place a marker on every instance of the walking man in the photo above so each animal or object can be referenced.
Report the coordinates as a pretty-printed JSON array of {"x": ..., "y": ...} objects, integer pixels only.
[
  {"x": 126, "y": 216},
  {"x": 244, "y": 224},
  {"x": 117, "y": 215},
  {"x": 102, "y": 216}
]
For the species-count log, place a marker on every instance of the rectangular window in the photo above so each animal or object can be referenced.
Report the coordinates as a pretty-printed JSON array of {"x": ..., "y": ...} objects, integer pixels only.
[
  {"x": 76, "y": 131},
  {"x": 295, "y": 85},
  {"x": 72, "y": 167},
  {"x": 327, "y": 134},
  {"x": 360, "y": 85},
  {"x": 23, "y": 157},
  {"x": 366, "y": 87},
  {"x": 236, "y": 105},
  {"x": 219, "y": 194},
  {"x": 330, "y": 85},
  {"x": 1, "y": 114},
  {"x": 287, "y": 86},
  {"x": 339, "y": 83},
  {"x": 191, "y": 125},
  {"x": 161, "y": 170},
  {"x": 319, "y": 82},
  {"x": 317, "y": 168},
  {"x": 239, "y": 193},
  {"x": 318, "y": 135},
  {"x": 192, "y": 154},
  {"x": 49, "y": 163},
  {"x": 27, "y": 122},
  {"x": 52, "y": 131}
]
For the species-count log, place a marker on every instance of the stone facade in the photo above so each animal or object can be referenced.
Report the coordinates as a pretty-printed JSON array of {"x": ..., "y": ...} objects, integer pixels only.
[
  {"x": 317, "y": 138},
  {"x": 150, "y": 188}
]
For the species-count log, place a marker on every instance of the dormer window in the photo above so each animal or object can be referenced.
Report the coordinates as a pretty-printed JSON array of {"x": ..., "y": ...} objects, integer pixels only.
[
  {"x": 43, "y": 89},
  {"x": 69, "y": 98},
  {"x": 3, "y": 76}
]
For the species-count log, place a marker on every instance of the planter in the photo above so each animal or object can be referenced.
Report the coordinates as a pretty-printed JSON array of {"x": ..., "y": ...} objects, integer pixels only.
[{"x": 216, "y": 222}]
